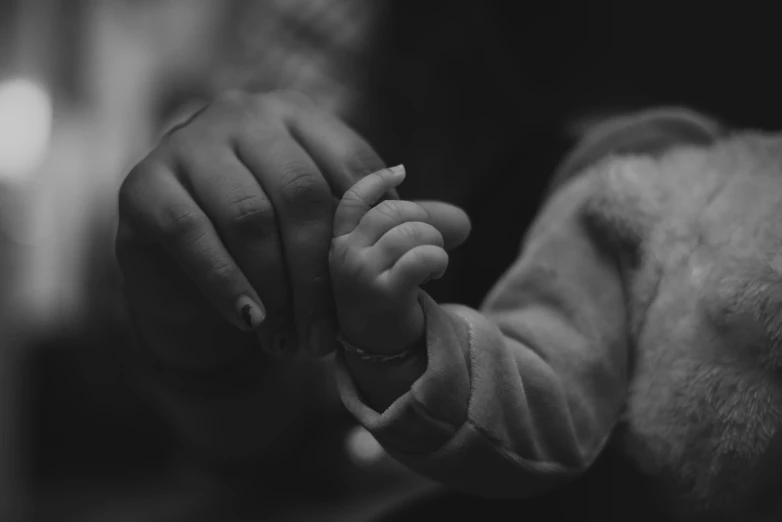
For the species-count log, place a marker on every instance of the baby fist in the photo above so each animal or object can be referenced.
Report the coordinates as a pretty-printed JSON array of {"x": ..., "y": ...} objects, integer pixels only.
[{"x": 380, "y": 254}]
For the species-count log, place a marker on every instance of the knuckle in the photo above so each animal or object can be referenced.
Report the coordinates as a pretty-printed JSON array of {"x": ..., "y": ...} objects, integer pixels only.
[
  {"x": 346, "y": 258},
  {"x": 302, "y": 187},
  {"x": 391, "y": 208},
  {"x": 275, "y": 104},
  {"x": 239, "y": 108},
  {"x": 252, "y": 215},
  {"x": 340, "y": 245},
  {"x": 361, "y": 259},
  {"x": 179, "y": 222},
  {"x": 344, "y": 252},
  {"x": 352, "y": 196},
  {"x": 354, "y": 199},
  {"x": 410, "y": 231},
  {"x": 363, "y": 161},
  {"x": 217, "y": 271},
  {"x": 337, "y": 254}
]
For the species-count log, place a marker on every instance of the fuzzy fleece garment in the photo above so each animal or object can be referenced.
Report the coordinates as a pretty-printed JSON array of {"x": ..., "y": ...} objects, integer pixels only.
[{"x": 646, "y": 302}]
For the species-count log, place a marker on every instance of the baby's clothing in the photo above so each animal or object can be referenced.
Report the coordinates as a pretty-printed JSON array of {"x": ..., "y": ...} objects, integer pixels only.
[{"x": 646, "y": 298}]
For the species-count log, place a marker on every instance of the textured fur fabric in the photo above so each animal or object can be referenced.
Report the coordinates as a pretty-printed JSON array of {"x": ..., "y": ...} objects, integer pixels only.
[{"x": 700, "y": 235}]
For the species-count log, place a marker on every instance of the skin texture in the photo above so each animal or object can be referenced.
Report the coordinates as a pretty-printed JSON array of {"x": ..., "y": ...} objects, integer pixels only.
[
  {"x": 380, "y": 255},
  {"x": 234, "y": 208}
]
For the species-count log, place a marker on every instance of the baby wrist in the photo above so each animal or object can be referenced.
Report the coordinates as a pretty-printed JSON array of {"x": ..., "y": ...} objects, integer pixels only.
[
  {"x": 386, "y": 333},
  {"x": 380, "y": 358}
]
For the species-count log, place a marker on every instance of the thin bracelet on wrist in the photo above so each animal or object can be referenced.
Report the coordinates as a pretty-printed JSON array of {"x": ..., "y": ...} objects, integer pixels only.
[{"x": 375, "y": 357}]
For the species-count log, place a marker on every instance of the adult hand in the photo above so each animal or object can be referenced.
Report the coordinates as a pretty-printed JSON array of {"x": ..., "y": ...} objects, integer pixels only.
[{"x": 225, "y": 228}]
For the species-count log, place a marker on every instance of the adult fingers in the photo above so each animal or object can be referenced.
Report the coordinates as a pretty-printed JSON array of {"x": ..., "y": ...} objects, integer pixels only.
[
  {"x": 343, "y": 156},
  {"x": 452, "y": 222},
  {"x": 155, "y": 204},
  {"x": 170, "y": 313},
  {"x": 244, "y": 217},
  {"x": 304, "y": 209}
]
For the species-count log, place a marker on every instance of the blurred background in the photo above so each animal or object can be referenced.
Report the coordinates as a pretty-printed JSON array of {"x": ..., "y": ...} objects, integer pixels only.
[
  {"x": 459, "y": 91},
  {"x": 86, "y": 87}
]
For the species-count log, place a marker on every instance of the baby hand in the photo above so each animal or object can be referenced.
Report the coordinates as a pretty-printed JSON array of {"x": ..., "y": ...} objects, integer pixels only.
[{"x": 379, "y": 256}]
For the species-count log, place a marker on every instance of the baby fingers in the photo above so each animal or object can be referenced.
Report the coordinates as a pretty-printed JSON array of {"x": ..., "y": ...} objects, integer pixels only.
[
  {"x": 399, "y": 240},
  {"x": 414, "y": 268},
  {"x": 361, "y": 197},
  {"x": 383, "y": 217}
]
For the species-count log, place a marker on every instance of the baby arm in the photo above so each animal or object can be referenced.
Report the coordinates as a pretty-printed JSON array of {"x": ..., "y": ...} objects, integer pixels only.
[
  {"x": 516, "y": 398},
  {"x": 380, "y": 255}
]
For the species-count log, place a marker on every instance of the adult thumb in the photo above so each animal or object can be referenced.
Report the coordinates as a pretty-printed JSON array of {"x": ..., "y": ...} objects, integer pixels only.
[{"x": 452, "y": 222}]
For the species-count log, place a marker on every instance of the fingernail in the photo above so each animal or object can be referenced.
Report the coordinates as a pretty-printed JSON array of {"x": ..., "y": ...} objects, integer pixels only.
[
  {"x": 323, "y": 335},
  {"x": 398, "y": 171},
  {"x": 251, "y": 313}
]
